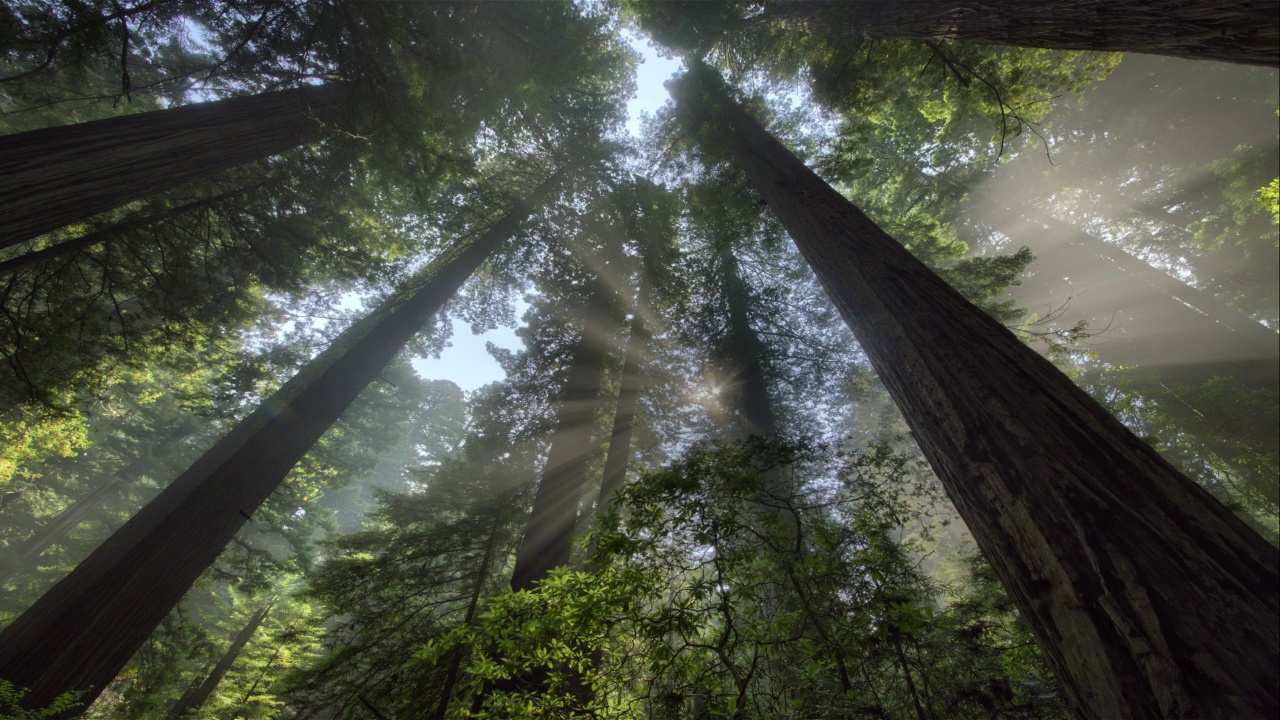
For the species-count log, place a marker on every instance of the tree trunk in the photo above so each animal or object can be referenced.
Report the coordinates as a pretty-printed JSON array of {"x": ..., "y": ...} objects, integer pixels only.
[
  {"x": 548, "y": 536},
  {"x": 196, "y": 696},
  {"x": 1180, "y": 334},
  {"x": 55, "y": 529},
  {"x": 26, "y": 554},
  {"x": 548, "y": 539},
  {"x": 98, "y": 237},
  {"x": 749, "y": 391},
  {"x": 79, "y": 634},
  {"x": 1149, "y": 598},
  {"x": 619, "y": 455},
  {"x": 57, "y": 176},
  {"x": 1236, "y": 31},
  {"x": 455, "y": 662}
]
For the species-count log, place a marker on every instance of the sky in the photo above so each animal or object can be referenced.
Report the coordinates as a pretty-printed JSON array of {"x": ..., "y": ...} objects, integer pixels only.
[{"x": 466, "y": 361}]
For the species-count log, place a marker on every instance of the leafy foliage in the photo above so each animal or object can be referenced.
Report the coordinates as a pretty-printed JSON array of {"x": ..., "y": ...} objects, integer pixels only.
[{"x": 767, "y": 577}]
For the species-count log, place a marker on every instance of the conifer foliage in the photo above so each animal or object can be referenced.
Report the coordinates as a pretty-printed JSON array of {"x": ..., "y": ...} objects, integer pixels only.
[{"x": 781, "y": 433}]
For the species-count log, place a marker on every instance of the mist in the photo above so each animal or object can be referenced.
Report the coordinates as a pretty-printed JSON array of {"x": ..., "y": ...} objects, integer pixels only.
[{"x": 1139, "y": 209}]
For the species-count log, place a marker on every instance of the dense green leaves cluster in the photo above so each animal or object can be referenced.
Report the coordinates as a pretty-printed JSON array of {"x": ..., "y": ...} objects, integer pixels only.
[{"x": 707, "y": 596}]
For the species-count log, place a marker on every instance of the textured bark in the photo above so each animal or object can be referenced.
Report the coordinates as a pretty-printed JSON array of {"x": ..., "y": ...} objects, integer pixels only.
[
  {"x": 1149, "y": 598},
  {"x": 98, "y": 237},
  {"x": 548, "y": 538},
  {"x": 57, "y": 176},
  {"x": 196, "y": 696},
  {"x": 1236, "y": 31},
  {"x": 79, "y": 634}
]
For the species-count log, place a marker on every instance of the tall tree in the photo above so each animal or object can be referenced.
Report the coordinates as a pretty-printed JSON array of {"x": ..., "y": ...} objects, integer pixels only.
[
  {"x": 98, "y": 237},
  {"x": 198, "y": 694},
  {"x": 630, "y": 380},
  {"x": 1241, "y": 31},
  {"x": 436, "y": 73},
  {"x": 51, "y": 532},
  {"x": 646, "y": 213},
  {"x": 421, "y": 566},
  {"x": 79, "y": 634},
  {"x": 1151, "y": 602},
  {"x": 548, "y": 539},
  {"x": 53, "y": 177},
  {"x": 747, "y": 389}
]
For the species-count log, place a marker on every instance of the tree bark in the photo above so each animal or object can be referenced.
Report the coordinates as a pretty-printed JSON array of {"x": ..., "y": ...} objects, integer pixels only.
[
  {"x": 1236, "y": 31},
  {"x": 196, "y": 696},
  {"x": 57, "y": 176},
  {"x": 79, "y": 634},
  {"x": 548, "y": 539},
  {"x": 1149, "y": 598}
]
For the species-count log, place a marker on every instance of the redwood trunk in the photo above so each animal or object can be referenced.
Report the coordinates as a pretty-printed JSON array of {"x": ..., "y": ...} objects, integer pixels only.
[
  {"x": 1236, "y": 31},
  {"x": 79, "y": 634},
  {"x": 57, "y": 176},
  {"x": 55, "y": 529},
  {"x": 25, "y": 556},
  {"x": 195, "y": 697},
  {"x": 749, "y": 392},
  {"x": 619, "y": 455},
  {"x": 548, "y": 539},
  {"x": 1149, "y": 598}
]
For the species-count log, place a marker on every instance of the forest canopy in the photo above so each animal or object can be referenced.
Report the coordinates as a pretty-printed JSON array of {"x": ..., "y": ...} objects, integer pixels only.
[{"x": 909, "y": 359}]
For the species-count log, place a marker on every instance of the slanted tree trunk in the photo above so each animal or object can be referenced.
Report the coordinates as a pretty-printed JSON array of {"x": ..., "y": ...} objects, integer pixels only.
[
  {"x": 1236, "y": 31},
  {"x": 56, "y": 176},
  {"x": 548, "y": 539},
  {"x": 25, "y": 555},
  {"x": 1149, "y": 598},
  {"x": 80, "y": 633},
  {"x": 477, "y": 588},
  {"x": 98, "y": 237},
  {"x": 1179, "y": 334},
  {"x": 197, "y": 695}
]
